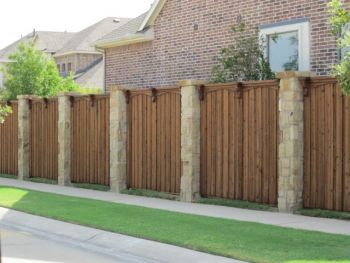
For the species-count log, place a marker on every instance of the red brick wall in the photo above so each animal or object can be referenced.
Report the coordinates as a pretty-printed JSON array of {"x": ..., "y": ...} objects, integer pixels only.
[{"x": 180, "y": 52}]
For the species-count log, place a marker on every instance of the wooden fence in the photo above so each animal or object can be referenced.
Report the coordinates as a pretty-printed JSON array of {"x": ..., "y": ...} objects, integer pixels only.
[
  {"x": 239, "y": 140},
  {"x": 44, "y": 138},
  {"x": 154, "y": 139},
  {"x": 9, "y": 143},
  {"x": 327, "y": 146},
  {"x": 90, "y": 139}
]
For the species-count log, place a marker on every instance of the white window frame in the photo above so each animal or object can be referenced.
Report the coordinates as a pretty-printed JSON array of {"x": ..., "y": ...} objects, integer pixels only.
[{"x": 303, "y": 29}]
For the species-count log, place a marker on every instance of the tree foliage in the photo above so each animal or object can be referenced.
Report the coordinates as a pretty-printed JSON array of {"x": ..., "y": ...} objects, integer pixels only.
[
  {"x": 340, "y": 17},
  {"x": 32, "y": 72},
  {"x": 4, "y": 111},
  {"x": 243, "y": 60}
]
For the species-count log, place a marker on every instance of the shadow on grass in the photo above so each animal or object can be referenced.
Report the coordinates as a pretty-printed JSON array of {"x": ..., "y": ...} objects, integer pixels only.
[{"x": 246, "y": 241}]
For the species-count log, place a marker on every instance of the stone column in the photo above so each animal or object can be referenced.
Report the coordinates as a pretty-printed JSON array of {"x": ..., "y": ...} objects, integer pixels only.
[
  {"x": 118, "y": 136},
  {"x": 291, "y": 145},
  {"x": 190, "y": 141},
  {"x": 64, "y": 139},
  {"x": 23, "y": 137}
]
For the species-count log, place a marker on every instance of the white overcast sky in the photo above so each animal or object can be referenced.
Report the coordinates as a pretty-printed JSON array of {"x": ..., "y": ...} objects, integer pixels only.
[{"x": 20, "y": 17}]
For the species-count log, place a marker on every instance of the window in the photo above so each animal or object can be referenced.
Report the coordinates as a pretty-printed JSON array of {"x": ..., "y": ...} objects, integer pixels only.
[
  {"x": 288, "y": 45},
  {"x": 63, "y": 68},
  {"x": 58, "y": 67},
  {"x": 69, "y": 67}
]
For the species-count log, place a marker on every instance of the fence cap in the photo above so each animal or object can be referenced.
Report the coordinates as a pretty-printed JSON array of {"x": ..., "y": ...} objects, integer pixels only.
[
  {"x": 294, "y": 74},
  {"x": 192, "y": 82}
]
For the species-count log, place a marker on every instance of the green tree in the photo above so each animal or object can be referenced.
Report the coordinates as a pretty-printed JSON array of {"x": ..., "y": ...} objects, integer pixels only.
[
  {"x": 340, "y": 17},
  {"x": 243, "y": 60},
  {"x": 32, "y": 72}
]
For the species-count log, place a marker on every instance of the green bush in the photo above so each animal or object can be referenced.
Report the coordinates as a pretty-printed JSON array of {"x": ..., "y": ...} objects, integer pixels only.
[
  {"x": 340, "y": 17},
  {"x": 243, "y": 60},
  {"x": 32, "y": 72}
]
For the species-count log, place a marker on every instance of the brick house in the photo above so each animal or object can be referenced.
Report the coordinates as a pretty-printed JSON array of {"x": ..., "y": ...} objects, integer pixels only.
[
  {"x": 178, "y": 39},
  {"x": 48, "y": 42},
  {"x": 73, "y": 52},
  {"x": 79, "y": 55}
]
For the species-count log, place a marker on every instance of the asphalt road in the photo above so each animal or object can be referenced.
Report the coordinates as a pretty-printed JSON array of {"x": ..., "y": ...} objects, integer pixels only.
[{"x": 24, "y": 247}]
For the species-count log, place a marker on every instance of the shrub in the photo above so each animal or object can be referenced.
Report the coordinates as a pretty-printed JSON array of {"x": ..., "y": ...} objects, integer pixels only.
[{"x": 243, "y": 60}]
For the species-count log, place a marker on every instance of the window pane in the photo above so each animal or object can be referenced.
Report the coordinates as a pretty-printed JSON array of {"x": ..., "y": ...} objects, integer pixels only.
[{"x": 284, "y": 51}]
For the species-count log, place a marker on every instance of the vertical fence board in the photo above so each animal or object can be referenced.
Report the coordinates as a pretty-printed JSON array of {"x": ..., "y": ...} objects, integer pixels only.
[
  {"x": 90, "y": 140},
  {"x": 327, "y": 146},
  {"x": 44, "y": 138},
  {"x": 9, "y": 142},
  {"x": 238, "y": 140},
  {"x": 154, "y": 147}
]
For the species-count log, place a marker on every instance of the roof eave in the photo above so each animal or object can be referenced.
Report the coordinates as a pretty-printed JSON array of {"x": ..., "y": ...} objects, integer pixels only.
[
  {"x": 123, "y": 42},
  {"x": 153, "y": 13},
  {"x": 75, "y": 52}
]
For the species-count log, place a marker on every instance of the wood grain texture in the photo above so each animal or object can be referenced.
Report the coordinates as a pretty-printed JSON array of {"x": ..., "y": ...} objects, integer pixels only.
[
  {"x": 9, "y": 142},
  {"x": 90, "y": 140},
  {"x": 326, "y": 146},
  {"x": 239, "y": 141},
  {"x": 44, "y": 138},
  {"x": 154, "y": 140}
]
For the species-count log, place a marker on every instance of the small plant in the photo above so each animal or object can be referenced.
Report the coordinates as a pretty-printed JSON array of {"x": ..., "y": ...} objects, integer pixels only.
[
  {"x": 243, "y": 60},
  {"x": 340, "y": 18}
]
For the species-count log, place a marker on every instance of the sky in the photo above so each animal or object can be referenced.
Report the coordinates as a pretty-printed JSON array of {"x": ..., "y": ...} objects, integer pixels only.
[{"x": 20, "y": 17}]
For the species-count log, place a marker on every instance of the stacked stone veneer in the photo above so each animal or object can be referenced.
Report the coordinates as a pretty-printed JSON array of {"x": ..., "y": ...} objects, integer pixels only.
[
  {"x": 64, "y": 139},
  {"x": 118, "y": 137},
  {"x": 291, "y": 147},
  {"x": 190, "y": 141},
  {"x": 23, "y": 137}
]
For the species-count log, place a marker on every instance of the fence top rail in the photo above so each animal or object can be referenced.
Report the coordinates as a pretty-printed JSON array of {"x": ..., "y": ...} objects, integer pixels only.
[
  {"x": 150, "y": 90},
  {"x": 90, "y": 96},
  {"x": 244, "y": 84},
  {"x": 8, "y": 102},
  {"x": 322, "y": 80},
  {"x": 43, "y": 100}
]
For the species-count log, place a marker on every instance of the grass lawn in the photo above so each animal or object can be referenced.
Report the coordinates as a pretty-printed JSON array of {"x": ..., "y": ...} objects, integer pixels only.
[
  {"x": 150, "y": 193},
  {"x": 96, "y": 187},
  {"x": 241, "y": 240},
  {"x": 236, "y": 203}
]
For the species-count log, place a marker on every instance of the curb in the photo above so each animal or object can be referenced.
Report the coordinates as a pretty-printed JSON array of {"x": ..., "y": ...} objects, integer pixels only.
[{"x": 122, "y": 248}]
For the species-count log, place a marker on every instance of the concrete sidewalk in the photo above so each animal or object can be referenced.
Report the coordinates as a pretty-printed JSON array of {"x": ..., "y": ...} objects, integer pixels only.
[
  {"x": 122, "y": 248},
  {"x": 279, "y": 219}
]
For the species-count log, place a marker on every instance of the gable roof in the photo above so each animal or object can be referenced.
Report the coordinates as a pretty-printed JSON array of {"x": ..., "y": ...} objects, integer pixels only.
[
  {"x": 46, "y": 41},
  {"x": 128, "y": 33},
  {"x": 92, "y": 77},
  {"x": 82, "y": 42},
  {"x": 152, "y": 14}
]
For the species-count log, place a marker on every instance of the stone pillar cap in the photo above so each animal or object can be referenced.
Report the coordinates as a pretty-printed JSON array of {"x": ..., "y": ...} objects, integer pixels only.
[
  {"x": 69, "y": 93},
  {"x": 121, "y": 87},
  {"x": 192, "y": 82},
  {"x": 294, "y": 74},
  {"x": 24, "y": 97}
]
